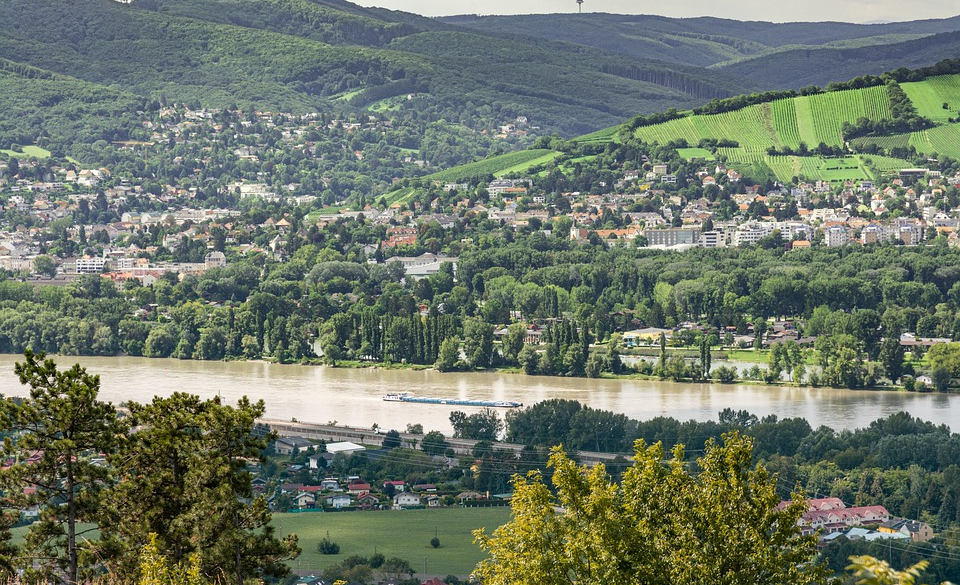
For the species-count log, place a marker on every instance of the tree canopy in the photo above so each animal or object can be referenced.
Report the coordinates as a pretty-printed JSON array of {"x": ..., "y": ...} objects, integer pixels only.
[{"x": 715, "y": 521}]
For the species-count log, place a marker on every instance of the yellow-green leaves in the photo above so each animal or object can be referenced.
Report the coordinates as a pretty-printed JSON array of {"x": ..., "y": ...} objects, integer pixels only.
[{"x": 713, "y": 521}]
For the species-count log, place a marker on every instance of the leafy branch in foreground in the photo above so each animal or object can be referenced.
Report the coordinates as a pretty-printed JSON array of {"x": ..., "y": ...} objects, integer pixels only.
[{"x": 720, "y": 525}]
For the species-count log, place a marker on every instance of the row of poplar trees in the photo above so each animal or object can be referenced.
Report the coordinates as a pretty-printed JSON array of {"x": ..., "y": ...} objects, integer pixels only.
[{"x": 171, "y": 474}]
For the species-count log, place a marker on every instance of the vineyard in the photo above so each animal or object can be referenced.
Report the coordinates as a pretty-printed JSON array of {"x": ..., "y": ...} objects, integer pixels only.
[
  {"x": 928, "y": 97},
  {"x": 784, "y": 123},
  {"x": 512, "y": 162}
]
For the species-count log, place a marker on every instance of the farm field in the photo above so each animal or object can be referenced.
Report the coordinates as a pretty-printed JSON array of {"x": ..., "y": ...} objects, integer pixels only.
[
  {"x": 600, "y": 136},
  {"x": 498, "y": 165},
  {"x": 940, "y": 140},
  {"x": 405, "y": 534}
]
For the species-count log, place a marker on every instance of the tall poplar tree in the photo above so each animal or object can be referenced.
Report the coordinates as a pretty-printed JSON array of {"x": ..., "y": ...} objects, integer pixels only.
[{"x": 58, "y": 436}]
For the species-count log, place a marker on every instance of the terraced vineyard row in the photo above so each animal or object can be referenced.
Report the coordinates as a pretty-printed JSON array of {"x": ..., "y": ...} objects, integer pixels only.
[
  {"x": 884, "y": 163},
  {"x": 785, "y": 120},
  {"x": 945, "y": 140},
  {"x": 821, "y": 117},
  {"x": 928, "y": 96}
]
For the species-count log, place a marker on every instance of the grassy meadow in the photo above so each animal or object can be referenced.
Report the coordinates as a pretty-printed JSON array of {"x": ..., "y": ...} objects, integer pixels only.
[{"x": 405, "y": 534}]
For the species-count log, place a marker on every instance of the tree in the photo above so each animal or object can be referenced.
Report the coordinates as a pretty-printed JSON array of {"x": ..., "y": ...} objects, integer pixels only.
[
  {"x": 721, "y": 525},
  {"x": 449, "y": 354},
  {"x": 185, "y": 472},
  {"x": 485, "y": 425},
  {"x": 941, "y": 378},
  {"x": 45, "y": 265},
  {"x": 870, "y": 571},
  {"x": 63, "y": 429},
  {"x": 434, "y": 443},
  {"x": 891, "y": 356},
  {"x": 478, "y": 342}
]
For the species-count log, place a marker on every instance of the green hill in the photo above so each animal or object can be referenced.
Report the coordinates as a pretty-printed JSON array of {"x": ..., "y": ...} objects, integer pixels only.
[
  {"x": 297, "y": 55},
  {"x": 796, "y": 127}
]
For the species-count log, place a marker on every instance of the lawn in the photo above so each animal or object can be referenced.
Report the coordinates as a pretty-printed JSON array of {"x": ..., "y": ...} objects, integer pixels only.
[
  {"x": 31, "y": 150},
  {"x": 405, "y": 534},
  {"x": 692, "y": 153}
]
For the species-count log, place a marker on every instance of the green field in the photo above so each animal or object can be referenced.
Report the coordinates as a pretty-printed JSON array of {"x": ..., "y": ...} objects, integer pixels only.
[
  {"x": 400, "y": 195},
  {"x": 929, "y": 95},
  {"x": 513, "y": 162},
  {"x": 600, "y": 136},
  {"x": 692, "y": 153},
  {"x": 34, "y": 151},
  {"x": 783, "y": 123},
  {"x": 405, "y": 534}
]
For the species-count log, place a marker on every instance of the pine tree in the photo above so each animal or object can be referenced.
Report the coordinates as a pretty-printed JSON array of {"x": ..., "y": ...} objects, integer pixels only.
[
  {"x": 63, "y": 428},
  {"x": 185, "y": 474}
]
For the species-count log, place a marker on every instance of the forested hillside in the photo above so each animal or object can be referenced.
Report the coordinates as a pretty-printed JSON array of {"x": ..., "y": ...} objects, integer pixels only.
[
  {"x": 704, "y": 41},
  {"x": 298, "y": 56},
  {"x": 796, "y": 68}
]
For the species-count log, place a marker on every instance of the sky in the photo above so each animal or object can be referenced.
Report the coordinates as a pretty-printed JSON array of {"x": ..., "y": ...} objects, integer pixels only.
[{"x": 862, "y": 11}]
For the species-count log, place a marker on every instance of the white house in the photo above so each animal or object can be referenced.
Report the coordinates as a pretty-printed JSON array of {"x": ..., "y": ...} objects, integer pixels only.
[{"x": 405, "y": 500}]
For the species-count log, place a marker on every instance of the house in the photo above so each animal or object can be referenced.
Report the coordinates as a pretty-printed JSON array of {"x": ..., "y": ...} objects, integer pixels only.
[
  {"x": 305, "y": 500},
  {"x": 433, "y": 501},
  {"x": 331, "y": 484},
  {"x": 916, "y": 530},
  {"x": 398, "y": 486},
  {"x": 338, "y": 501},
  {"x": 314, "y": 461},
  {"x": 406, "y": 500},
  {"x": 424, "y": 487},
  {"x": 367, "y": 499},
  {"x": 287, "y": 445},
  {"x": 358, "y": 487},
  {"x": 466, "y": 496},
  {"x": 433, "y": 581},
  {"x": 646, "y": 335}
]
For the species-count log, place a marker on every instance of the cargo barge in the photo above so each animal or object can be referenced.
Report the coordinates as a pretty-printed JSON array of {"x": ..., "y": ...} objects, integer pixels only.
[{"x": 407, "y": 397}]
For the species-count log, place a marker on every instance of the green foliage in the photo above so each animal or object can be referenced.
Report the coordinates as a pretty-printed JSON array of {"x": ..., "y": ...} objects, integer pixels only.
[
  {"x": 513, "y": 162},
  {"x": 186, "y": 469},
  {"x": 156, "y": 570},
  {"x": 718, "y": 526},
  {"x": 62, "y": 428},
  {"x": 328, "y": 547},
  {"x": 870, "y": 571}
]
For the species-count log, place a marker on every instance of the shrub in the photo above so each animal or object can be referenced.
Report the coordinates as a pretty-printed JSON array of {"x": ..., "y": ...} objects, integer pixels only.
[{"x": 328, "y": 547}]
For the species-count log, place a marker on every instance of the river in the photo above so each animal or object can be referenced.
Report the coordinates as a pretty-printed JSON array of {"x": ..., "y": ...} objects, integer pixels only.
[{"x": 354, "y": 396}]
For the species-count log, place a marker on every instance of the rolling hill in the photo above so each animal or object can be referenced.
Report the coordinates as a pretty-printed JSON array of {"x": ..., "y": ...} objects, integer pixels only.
[
  {"x": 801, "y": 136},
  {"x": 297, "y": 55},
  {"x": 703, "y": 42},
  {"x": 800, "y": 67},
  {"x": 796, "y": 126}
]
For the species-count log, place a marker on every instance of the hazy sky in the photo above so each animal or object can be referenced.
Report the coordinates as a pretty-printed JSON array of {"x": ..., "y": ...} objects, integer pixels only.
[{"x": 797, "y": 10}]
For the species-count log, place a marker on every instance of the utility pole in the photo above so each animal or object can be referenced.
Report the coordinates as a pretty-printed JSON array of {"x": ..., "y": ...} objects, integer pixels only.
[{"x": 580, "y": 6}]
